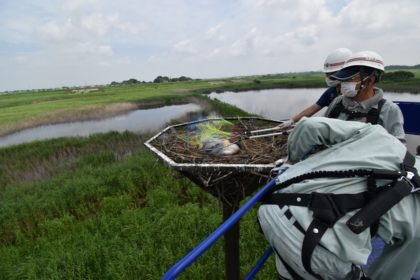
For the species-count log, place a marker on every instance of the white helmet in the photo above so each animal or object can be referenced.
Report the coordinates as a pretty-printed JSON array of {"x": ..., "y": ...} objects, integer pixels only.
[
  {"x": 366, "y": 58},
  {"x": 336, "y": 59}
]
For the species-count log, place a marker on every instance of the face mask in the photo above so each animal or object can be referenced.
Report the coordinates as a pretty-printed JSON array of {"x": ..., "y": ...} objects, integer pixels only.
[
  {"x": 348, "y": 89},
  {"x": 331, "y": 83}
]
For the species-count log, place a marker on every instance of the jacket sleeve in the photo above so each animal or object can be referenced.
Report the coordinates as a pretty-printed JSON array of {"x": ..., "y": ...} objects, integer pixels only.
[
  {"x": 310, "y": 132},
  {"x": 393, "y": 121}
]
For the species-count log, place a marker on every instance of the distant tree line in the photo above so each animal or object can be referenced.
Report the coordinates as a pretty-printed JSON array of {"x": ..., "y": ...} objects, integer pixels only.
[
  {"x": 158, "y": 79},
  {"x": 402, "y": 67},
  {"x": 165, "y": 79},
  {"x": 127, "y": 82},
  {"x": 397, "y": 75}
]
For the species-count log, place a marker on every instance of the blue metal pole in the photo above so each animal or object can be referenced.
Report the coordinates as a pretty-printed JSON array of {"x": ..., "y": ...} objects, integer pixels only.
[
  {"x": 181, "y": 265},
  {"x": 259, "y": 264}
]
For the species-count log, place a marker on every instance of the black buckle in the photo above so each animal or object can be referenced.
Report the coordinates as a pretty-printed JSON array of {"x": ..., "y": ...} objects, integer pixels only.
[{"x": 325, "y": 209}]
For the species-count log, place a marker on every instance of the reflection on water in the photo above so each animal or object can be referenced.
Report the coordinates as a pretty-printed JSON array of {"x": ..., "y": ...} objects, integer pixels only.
[
  {"x": 280, "y": 104},
  {"x": 136, "y": 121},
  {"x": 275, "y": 104}
]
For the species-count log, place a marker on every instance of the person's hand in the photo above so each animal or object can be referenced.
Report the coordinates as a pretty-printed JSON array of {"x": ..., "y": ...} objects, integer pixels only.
[{"x": 286, "y": 124}]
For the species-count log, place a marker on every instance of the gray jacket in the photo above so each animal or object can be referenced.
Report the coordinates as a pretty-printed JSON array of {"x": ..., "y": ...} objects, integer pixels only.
[
  {"x": 351, "y": 145},
  {"x": 390, "y": 116}
]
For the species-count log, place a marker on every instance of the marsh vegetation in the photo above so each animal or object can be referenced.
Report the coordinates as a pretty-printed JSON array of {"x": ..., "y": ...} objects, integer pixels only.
[{"x": 102, "y": 207}]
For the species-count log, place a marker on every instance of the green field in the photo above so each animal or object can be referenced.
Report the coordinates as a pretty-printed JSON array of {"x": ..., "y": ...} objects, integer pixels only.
[
  {"x": 410, "y": 85},
  {"x": 102, "y": 207}
]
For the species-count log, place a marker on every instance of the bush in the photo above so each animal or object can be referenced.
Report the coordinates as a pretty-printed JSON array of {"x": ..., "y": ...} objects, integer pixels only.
[{"x": 398, "y": 75}]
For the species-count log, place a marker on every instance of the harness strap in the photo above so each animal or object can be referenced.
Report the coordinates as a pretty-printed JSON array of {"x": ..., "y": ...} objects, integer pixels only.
[
  {"x": 328, "y": 208},
  {"x": 335, "y": 112},
  {"x": 312, "y": 237},
  {"x": 384, "y": 200},
  {"x": 294, "y": 274},
  {"x": 372, "y": 116},
  {"x": 408, "y": 165}
]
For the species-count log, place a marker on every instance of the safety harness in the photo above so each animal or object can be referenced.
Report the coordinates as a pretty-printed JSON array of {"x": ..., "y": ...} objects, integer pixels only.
[
  {"x": 328, "y": 208},
  {"x": 372, "y": 116}
]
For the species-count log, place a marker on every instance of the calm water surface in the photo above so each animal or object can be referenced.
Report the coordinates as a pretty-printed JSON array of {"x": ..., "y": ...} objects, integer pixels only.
[
  {"x": 143, "y": 120},
  {"x": 280, "y": 104}
]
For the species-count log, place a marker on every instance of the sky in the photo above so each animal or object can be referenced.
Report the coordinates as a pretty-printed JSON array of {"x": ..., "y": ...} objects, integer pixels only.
[{"x": 50, "y": 43}]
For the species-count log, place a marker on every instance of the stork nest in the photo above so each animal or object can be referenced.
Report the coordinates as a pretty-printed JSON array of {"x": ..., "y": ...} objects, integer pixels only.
[{"x": 263, "y": 150}]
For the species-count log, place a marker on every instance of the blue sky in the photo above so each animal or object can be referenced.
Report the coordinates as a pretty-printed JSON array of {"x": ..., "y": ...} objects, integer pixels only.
[{"x": 46, "y": 43}]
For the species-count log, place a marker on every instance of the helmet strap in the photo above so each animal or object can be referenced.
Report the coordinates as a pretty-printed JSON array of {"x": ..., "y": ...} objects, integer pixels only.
[{"x": 362, "y": 77}]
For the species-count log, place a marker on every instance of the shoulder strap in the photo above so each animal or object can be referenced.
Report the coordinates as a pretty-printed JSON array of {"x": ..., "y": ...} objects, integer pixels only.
[
  {"x": 373, "y": 114},
  {"x": 336, "y": 110}
]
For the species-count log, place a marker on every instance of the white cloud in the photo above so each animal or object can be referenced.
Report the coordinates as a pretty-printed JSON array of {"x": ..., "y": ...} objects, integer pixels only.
[
  {"x": 186, "y": 46},
  {"x": 215, "y": 33},
  {"x": 96, "y": 23},
  {"x": 205, "y": 38},
  {"x": 77, "y": 4},
  {"x": 21, "y": 59},
  {"x": 53, "y": 31},
  {"x": 92, "y": 48}
]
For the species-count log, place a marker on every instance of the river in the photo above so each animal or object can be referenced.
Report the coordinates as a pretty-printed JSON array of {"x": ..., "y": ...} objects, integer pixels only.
[
  {"x": 275, "y": 104},
  {"x": 139, "y": 121},
  {"x": 280, "y": 104}
]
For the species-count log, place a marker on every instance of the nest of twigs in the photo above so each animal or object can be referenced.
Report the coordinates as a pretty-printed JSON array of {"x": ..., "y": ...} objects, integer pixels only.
[
  {"x": 263, "y": 150},
  {"x": 230, "y": 178}
]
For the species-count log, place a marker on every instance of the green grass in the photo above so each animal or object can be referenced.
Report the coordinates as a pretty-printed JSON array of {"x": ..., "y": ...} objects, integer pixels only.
[
  {"x": 102, "y": 208},
  {"x": 409, "y": 85}
]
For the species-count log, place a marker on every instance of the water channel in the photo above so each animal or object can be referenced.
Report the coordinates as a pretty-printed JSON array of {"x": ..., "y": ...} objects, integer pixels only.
[
  {"x": 280, "y": 104},
  {"x": 142, "y": 120},
  {"x": 275, "y": 104}
]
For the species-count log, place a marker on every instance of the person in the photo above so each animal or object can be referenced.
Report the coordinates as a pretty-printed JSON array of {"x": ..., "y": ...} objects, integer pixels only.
[
  {"x": 334, "y": 62},
  {"x": 320, "y": 217},
  {"x": 360, "y": 99}
]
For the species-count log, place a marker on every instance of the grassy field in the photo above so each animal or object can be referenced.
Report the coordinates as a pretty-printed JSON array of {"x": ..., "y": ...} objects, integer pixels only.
[
  {"x": 410, "y": 85},
  {"x": 102, "y": 207}
]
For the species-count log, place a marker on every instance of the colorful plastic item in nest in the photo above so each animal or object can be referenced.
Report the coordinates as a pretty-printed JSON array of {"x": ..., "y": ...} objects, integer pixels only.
[{"x": 210, "y": 138}]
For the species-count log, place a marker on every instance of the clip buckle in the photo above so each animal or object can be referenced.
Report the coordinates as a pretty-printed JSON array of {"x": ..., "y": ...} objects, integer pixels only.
[{"x": 407, "y": 178}]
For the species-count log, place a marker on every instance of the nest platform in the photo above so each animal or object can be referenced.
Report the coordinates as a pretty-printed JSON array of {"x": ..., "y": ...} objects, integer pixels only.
[{"x": 230, "y": 178}]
